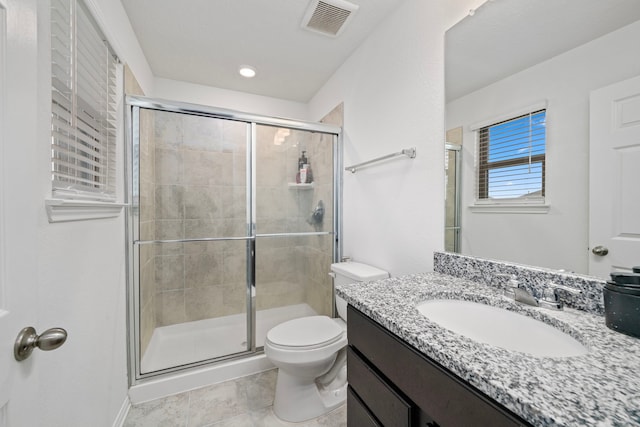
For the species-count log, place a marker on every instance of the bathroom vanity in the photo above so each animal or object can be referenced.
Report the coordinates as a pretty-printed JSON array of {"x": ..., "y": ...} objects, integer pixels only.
[
  {"x": 395, "y": 384},
  {"x": 406, "y": 370}
]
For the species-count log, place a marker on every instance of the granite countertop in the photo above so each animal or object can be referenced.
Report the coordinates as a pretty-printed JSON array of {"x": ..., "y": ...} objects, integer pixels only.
[{"x": 601, "y": 388}]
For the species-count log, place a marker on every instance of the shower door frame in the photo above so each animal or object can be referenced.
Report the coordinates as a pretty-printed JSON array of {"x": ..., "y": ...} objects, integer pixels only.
[
  {"x": 133, "y": 104},
  {"x": 456, "y": 228}
]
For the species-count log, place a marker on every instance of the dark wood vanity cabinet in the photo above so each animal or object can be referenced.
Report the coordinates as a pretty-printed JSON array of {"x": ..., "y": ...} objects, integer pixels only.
[{"x": 391, "y": 384}]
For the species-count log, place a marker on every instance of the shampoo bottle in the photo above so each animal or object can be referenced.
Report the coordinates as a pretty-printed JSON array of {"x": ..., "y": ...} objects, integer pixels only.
[
  {"x": 309, "y": 173},
  {"x": 302, "y": 160}
]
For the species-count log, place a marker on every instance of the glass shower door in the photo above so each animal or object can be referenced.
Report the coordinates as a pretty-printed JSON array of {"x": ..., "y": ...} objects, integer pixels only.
[
  {"x": 452, "y": 198},
  {"x": 225, "y": 239},
  {"x": 193, "y": 238},
  {"x": 294, "y": 218}
]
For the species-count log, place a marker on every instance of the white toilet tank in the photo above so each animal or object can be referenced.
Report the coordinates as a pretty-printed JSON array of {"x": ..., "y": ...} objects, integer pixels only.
[{"x": 351, "y": 272}]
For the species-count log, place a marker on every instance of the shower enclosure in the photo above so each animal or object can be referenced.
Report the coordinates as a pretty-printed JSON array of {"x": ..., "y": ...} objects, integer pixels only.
[{"x": 224, "y": 241}]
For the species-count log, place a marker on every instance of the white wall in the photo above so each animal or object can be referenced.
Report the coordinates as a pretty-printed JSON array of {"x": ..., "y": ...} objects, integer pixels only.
[
  {"x": 393, "y": 92},
  {"x": 558, "y": 239},
  {"x": 456, "y": 10},
  {"x": 222, "y": 98}
]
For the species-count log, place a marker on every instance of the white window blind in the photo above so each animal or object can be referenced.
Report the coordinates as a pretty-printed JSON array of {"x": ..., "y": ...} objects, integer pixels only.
[
  {"x": 512, "y": 159},
  {"x": 83, "y": 105}
]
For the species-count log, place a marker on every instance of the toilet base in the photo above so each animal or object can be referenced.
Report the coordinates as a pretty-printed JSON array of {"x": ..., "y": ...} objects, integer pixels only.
[{"x": 299, "y": 399}]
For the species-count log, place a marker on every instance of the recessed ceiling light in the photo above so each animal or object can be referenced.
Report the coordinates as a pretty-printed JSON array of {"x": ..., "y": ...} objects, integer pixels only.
[{"x": 247, "y": 71}]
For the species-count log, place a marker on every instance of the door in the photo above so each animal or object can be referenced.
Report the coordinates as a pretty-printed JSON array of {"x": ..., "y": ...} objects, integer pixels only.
[
  {"x": 614, "y": 202},
  {"x": 19, "y": 205},
  {"x": 452, "y": 197},
  {"x": 294, "y": 217},
  {"x": 190, "y": 237}
]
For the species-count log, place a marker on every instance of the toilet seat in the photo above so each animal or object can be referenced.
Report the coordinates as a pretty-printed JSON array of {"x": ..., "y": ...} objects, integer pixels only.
[{"x": 305, "y": 333}]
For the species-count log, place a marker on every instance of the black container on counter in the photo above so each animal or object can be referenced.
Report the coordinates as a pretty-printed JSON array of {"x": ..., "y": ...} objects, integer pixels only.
[{"x": 622, "y": 303}]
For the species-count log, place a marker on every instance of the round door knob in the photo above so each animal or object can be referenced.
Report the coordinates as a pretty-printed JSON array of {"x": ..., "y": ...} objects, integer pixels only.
[
  {"x": 28, "y": 339},
  {"x": 600, "y": 251}
]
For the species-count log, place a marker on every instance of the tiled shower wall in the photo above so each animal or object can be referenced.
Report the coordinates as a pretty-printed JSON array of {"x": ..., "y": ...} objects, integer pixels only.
[
  {"x": 293, "y": 270},
  {"x": 193, "y": 184},
  {"x": 199, "y": 192},
  {"x": 147, "y": 224}
]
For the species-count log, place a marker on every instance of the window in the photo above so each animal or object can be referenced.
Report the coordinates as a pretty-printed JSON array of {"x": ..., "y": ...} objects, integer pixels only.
[
  {"x": 83, "y": 105},
  {"x": 511, "y": 159}
]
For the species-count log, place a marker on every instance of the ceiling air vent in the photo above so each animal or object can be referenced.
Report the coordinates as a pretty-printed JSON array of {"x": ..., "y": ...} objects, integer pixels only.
[{"x": 328, "y": 17}]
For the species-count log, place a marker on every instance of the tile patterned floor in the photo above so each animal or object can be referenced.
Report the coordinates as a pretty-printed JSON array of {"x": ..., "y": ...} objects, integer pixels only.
[{"x": 244, "y": 402}]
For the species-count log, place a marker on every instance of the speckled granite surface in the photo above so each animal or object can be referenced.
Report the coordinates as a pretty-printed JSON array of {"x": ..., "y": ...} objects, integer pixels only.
[
  {"x": 534, "y": 279},
  {"x": 601, "y": 388}
]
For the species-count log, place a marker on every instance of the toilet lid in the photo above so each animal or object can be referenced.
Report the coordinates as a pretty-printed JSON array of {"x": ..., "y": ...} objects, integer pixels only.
[{"x": 305, "y": 332}]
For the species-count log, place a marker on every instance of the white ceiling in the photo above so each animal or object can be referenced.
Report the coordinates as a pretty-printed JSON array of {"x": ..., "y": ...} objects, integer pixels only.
[
  {"x": 205, "y": 41},
  {"x": 507, "y": 36}
]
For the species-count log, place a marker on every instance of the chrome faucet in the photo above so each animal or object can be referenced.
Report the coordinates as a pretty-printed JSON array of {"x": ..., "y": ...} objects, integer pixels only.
[
  {"x": 553, "y": 296},
  {"x": 515, "y": 291}
]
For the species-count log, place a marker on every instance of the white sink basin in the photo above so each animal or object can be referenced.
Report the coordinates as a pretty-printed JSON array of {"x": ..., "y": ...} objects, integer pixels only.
[{"x": 501, "y": 328}]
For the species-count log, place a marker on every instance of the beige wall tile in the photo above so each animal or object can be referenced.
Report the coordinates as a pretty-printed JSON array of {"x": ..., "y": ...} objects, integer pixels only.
[
  {"x": 169, "y": 167},
  {"x": 201, "y": 228},
  {"x": 131, "y": 85},
  {"x": 170, "y": 308},
  {"x": 168, "y": 130},
  {"x": 234, "y": 297},
  {"x": 147, "y": 324},
  {"x": 207, "y": 168},
  {"x": 202, "y": 133},
  {"x": 235, "y": 265},
  {"x": 170, "y": 229},
  {"x": 204, "y": 269},
  {"x": 233, "y": 201},
  {"x": 147, "y": 201},
  {"x": 169, "y": 202},
  {"x": 147, "y": 280},
  {"x": 169, "y": 272},
  {"x": 234, "y": 135},
  {"x": 203, "y": 303},
  {"x": 203, "y": 202},
  {"x": 271, "y": 295},
  {"x": 147, "y": 232},
  {"x": 146, "y": 136},
  {"x": 195, "y": 187}
]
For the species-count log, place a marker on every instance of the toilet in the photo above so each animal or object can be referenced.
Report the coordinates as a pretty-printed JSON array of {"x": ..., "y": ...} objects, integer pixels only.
[{"x": 310, "y": 354}]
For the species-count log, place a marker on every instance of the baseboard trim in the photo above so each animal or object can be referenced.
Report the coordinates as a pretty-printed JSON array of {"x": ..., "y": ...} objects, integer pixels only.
[{"x": 122, "y": 414}]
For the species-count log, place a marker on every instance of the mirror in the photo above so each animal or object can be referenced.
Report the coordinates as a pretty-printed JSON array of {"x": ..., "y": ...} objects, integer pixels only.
[{"x": 514, "y": 55}]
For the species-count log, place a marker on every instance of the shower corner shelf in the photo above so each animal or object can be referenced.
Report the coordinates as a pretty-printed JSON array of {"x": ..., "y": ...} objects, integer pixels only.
[{"x": 296, "y": 186}]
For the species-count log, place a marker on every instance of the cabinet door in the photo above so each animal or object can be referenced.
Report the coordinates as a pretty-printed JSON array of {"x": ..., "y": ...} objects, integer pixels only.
[
  {"x": 391, "y": 409},
  {"x": 357, "y": 413}
]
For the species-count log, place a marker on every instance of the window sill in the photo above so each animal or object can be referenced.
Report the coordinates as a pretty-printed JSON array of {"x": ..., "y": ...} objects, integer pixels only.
[
  {"x": 61, "y": 210},
  {"x": 523, "y": 208}
]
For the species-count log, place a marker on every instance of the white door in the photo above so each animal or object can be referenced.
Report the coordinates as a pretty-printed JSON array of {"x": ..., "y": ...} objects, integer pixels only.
[
  {"x": 614, "y": 199},
  {"x": 20, "y": 201}
]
